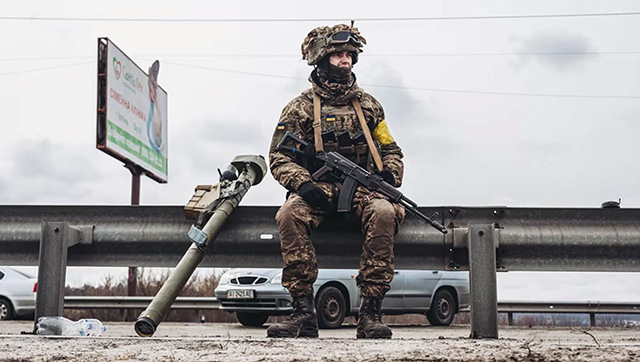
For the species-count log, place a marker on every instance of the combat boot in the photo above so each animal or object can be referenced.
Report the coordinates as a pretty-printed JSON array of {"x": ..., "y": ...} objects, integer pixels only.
[
  {"x": 303, "y": 322},
  {"x": 370, "y": 320}
]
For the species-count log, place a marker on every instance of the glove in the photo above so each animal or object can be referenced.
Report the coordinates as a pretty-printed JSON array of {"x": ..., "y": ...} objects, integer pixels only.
[
  {"x": 313, "y": 195},
  {"x": 387, "y": 176}
]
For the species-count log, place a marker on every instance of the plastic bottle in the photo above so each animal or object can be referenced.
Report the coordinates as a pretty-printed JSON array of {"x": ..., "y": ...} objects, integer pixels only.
[{"x": 60, "y": 326}]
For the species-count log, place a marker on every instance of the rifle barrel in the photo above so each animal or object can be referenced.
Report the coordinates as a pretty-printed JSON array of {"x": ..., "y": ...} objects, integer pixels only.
[{"x": 414, "y": 210}]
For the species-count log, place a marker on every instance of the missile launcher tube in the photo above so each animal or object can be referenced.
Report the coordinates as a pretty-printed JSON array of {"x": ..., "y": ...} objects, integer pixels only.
[{"x": 253, "y": 172}]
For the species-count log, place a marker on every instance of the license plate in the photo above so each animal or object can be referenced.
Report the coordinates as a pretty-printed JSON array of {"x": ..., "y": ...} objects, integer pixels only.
[{"x": 240, "y": 294}]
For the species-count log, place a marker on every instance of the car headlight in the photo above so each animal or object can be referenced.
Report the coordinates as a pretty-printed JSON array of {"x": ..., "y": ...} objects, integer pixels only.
[
  {"x": 224, "y": 279},
  {"x": 277, "y": 279}
]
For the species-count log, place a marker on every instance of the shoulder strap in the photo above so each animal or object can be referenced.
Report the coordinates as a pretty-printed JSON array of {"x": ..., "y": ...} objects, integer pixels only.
[
  {"x": 317, "y": 125},
  {"x": 367, "y": 134}
]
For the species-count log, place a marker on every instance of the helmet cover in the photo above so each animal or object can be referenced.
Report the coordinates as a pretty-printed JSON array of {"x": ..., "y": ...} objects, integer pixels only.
[{"x": 316, "y": 46}]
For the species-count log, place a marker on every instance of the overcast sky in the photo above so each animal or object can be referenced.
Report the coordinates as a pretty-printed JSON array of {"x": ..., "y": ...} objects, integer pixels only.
[{"x": 566, "y": 136}]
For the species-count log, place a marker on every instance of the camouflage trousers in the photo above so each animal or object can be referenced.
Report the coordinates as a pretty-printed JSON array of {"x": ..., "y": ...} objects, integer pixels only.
[{"x": 380, "y": 221}]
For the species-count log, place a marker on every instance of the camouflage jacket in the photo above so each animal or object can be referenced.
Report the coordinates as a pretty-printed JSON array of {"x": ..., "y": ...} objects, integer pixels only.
[{"x": 337, "y": 115}]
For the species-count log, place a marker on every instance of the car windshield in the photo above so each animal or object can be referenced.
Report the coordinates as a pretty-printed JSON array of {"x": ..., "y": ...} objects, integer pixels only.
[{"x": 23, "y": 273}]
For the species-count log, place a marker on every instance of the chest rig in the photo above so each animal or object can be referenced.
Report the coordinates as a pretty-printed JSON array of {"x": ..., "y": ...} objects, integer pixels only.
[{"x": 358, "y": 147}]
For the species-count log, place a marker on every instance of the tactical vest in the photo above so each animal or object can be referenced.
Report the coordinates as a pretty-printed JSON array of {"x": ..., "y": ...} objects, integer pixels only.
[
  {"x": 343, "y": 129},
  {"x": 357, "y": 152}
]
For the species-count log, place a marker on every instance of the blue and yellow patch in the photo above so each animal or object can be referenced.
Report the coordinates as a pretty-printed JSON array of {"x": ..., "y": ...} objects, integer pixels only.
[
  {"x": 281, "y": 126},
  {"x": 382, "y": 134},
  {"x": 330, "y": 118}
]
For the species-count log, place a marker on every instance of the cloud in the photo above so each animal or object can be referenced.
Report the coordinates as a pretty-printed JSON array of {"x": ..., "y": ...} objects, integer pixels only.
[
  {"x": 416, "y": 128},
  {"x": 542, "y": 146},
  {"x": 63, "y": 173},
  {"x": 569, "y": 50},
  {"x": 399, "y": 103},
  {"x": 231, "y": 130},
  {"x": 53, "y": 172}
]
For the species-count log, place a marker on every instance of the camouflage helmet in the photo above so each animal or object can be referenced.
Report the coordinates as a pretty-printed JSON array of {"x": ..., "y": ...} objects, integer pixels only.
[{"x": 324, "y": 40}]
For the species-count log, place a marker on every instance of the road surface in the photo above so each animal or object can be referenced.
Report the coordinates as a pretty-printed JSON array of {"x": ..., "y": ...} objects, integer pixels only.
[{"x": 232, "y": 342}]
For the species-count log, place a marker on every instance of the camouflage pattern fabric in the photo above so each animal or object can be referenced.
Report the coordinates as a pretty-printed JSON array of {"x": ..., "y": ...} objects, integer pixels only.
[
  {"x": 380, "y": 221},
  {"x": 312, "y": 52},
  {"x": 296, "y": 219},
  {"x": 297, "y": 117}
]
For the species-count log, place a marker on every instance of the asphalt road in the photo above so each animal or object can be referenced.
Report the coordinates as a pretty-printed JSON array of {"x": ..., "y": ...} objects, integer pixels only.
[{"x": 232, "y": 342}]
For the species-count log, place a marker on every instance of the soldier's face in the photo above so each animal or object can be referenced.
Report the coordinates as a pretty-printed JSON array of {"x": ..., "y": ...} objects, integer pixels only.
[{"x": 341, "y": 59}]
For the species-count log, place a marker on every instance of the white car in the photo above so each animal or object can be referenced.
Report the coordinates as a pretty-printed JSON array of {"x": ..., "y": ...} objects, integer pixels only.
[
  {"x": 17, "y": 293},
  {"x": 255, "y": 294}
]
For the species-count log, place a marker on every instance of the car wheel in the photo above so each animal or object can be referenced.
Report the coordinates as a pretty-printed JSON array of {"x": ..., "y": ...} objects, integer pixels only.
[
  {"x": 251, "y": 319},
  {"x": 331, "y": 308},
  {"x": 6, "y": 310},
  {"x": 442, "y": 309}
]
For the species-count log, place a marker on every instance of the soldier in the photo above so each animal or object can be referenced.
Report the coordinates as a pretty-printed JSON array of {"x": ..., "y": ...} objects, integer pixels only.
[{"x": 335, "y": 105}]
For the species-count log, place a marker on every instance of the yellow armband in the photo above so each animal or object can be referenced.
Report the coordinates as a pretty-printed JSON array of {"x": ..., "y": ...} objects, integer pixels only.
[{"x": 382, "y": 134}]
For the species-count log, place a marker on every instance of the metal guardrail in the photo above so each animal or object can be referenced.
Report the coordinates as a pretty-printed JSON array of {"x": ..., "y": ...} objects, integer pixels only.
[
  {"x": 482, "y": 239},
  {"x": 590, "y": 308},
  {"x": 509, "y": 307},
  {"x": 121, "y": 302},
  {"x": 527, "y": 239},
  {"x": 118, "y": 302},
  {"x": 569, "y": 307}
]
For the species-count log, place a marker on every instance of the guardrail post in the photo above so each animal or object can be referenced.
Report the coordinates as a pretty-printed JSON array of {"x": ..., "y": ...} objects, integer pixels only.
[
  {"x": 592, "y": 319},
  {"x": 55, "y": 240},
  {"x": 483, "y": 281},
  {"x": 52, "y": 268},
  {"x": 510, "y": 318}
]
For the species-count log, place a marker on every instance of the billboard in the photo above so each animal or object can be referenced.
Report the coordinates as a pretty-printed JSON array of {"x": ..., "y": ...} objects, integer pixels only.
[{"x": 132, "y": 112}]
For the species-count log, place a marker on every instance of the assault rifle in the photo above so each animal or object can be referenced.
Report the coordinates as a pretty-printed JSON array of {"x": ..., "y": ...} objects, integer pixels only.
[{"x": 352, "y": 175}]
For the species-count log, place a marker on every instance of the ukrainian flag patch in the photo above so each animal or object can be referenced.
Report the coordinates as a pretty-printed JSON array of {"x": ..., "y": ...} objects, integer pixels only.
[
  {"x": 280, "y": 127},
  {"x": 330, "y": 118},
  {"x": 382, "y": 134}
]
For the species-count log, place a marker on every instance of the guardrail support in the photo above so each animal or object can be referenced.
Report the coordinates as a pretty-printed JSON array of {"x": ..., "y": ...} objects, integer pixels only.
[
  {"x": 483, "y": 281},
  {"x": 55, "y": 240}
]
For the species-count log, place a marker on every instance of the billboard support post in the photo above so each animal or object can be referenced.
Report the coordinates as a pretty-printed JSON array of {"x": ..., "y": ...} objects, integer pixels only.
[
  {"x": 136, "y": 172},
  {"x": 132, "y": 279}
]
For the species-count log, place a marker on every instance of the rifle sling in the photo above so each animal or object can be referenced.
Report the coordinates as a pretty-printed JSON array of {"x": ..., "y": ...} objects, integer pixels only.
[
  {"x": 317, "y": 129},
  {"x": 367, "y": 134},
  {"x": 317, "y": 125}
]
